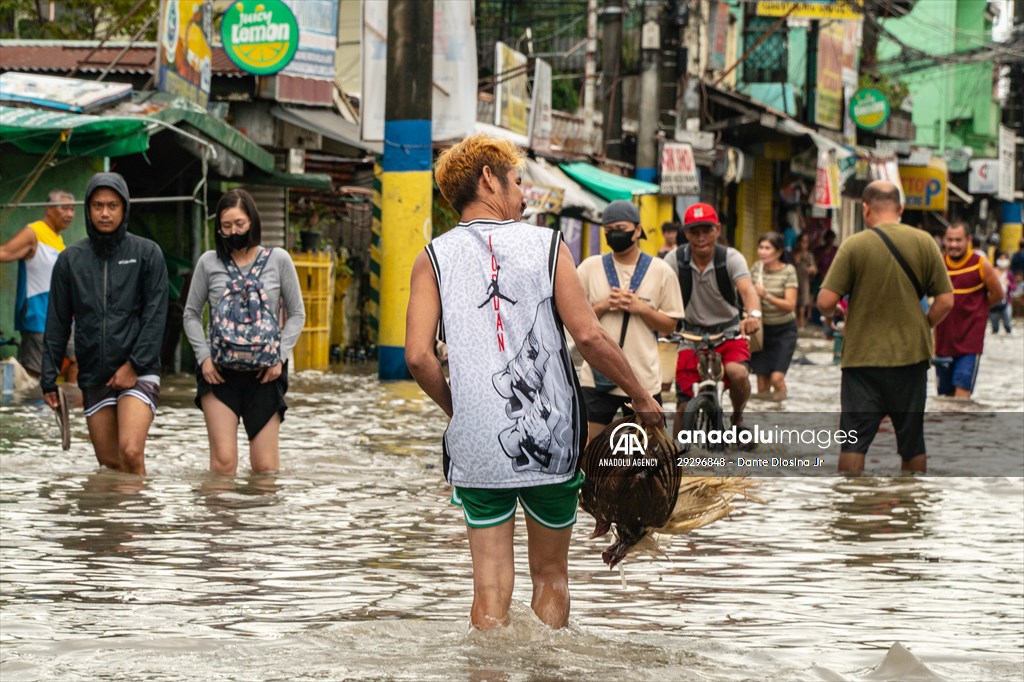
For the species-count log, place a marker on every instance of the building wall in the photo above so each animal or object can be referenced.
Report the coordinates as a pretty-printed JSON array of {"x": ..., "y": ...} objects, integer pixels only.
[{"x": 957, "y": 97}]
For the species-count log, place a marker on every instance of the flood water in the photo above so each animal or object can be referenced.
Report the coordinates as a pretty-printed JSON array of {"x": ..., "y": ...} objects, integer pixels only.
[{"x": 352, "y": 564}]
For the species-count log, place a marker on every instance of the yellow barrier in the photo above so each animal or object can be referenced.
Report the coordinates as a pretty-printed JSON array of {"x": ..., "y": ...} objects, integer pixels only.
[{"x": 316, "y": 280}]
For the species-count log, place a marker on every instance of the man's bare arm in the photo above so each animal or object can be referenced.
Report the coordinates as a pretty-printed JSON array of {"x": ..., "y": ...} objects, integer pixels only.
[
  {"x": 939, "y": 308},
  {"x": 21, "y": 245},
  {"x": 827, "y": 302},
  {"x": 421, "y": 320},
  {"x": 992, "y": 283}
]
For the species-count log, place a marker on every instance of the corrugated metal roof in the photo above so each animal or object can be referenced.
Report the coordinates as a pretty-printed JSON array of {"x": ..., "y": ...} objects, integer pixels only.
[{"x": 63, "y": 56}]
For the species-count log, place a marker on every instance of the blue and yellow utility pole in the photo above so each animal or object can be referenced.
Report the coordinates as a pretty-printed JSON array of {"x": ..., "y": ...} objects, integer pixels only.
[{"x": 406, "y": 178}]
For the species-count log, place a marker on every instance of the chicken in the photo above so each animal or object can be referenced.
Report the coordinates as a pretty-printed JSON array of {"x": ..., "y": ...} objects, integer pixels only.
[{"x": 645, "y": 495}]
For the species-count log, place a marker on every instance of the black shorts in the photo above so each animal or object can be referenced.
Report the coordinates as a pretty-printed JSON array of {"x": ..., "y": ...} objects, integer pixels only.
[
  {"x": 254, "y": 403},
  {"x": 602, "y": 407},
  {"x": 870, "y": 393},
  {"x": 779, "y": 346}
]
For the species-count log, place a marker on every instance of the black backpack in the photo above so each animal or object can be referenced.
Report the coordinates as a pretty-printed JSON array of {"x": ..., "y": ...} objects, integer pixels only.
[{"x": 725, "y": 285}]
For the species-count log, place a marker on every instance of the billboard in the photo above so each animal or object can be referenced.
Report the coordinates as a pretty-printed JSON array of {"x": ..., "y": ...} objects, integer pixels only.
[
  {"x": 184, "y": 58},
  {"x": 510, "y": 96},
  {"x": 828, "y": 103}
]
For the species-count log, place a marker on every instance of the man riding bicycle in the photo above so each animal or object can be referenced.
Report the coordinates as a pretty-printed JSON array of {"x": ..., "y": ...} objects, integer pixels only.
[{"x": 714, "y": 279}]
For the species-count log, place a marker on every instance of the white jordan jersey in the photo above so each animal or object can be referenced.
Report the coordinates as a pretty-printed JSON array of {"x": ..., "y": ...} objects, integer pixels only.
[{"x": 518, "y": 415}]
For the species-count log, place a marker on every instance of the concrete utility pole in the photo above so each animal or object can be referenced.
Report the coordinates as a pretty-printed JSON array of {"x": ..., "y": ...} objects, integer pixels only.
[
  {"x": 406, "y": 178},
  {"x": 650, "y": 93},
  {"x": 611, "y": 78},
  {"x": 590, "y": 78}
]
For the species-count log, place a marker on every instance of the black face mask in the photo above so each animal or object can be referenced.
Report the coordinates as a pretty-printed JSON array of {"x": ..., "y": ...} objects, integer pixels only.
[
  {"x": 237, "y": 242},
  {"x": 619, "y": 241}
]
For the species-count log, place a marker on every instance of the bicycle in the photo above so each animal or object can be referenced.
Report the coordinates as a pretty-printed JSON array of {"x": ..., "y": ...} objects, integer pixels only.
[{"x": 703, "y": 411}]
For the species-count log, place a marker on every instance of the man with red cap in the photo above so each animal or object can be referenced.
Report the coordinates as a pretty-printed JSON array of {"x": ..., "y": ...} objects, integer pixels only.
[{"x": 716, "y": 286}]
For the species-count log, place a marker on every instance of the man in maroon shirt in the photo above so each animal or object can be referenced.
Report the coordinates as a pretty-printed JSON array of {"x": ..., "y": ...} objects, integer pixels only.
[{"x": 960, "y": 336}]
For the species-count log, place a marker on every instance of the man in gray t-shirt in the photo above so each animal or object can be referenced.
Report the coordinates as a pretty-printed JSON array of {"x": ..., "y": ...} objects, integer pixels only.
[{"x": 706, "y": 309}]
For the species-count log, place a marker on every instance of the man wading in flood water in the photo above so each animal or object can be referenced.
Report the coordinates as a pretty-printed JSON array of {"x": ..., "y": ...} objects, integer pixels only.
[{"x": 517, "y": 423}]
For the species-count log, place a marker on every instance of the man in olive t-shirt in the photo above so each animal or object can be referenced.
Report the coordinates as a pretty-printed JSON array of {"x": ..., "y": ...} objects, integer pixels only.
[{"x": 888, "y": 339}]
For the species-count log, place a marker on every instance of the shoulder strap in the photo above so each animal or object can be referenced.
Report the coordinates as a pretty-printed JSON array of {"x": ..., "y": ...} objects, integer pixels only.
[
  {"x": 640, "y": 271},
  {"x": 261, "y": 260},
  {"x": 233, "y": 271},
  {"x": 903, "y": 263},
  {"x": 684, "y": 272},
  {"x": 725, "y": 283},
  {"x": 609, "y": 270}
]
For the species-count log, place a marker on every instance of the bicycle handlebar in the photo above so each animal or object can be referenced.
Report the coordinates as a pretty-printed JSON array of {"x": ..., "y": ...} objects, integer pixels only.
[{"x": 679, "y": 337}]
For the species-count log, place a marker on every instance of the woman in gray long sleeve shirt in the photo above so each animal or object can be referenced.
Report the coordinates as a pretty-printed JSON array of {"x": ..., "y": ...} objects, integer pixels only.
[{"x": 224, "y": 394}]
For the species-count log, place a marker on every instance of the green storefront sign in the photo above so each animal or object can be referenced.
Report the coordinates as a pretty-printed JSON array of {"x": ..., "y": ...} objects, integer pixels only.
[
  {"x": 260, "y": 36},
  {"x": 869, "y": 108}
]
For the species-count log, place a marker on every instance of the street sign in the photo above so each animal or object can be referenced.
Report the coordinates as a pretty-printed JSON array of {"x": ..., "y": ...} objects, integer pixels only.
[
  {"x": 983, "y": 176},
  {"x": 678, "y": 169},
  {"x": 1007, "y": 164}
]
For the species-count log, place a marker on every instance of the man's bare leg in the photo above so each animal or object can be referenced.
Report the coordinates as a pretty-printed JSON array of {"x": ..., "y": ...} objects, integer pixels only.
[
  {"x": 961, "y": 393},
  {"x": 494, "y": 574},
  {"x": 549, "y": 569},
  {"x": 134, "y": 417},
  {"x": 103, "y": 434},
  {"x": 739, "y": 389},
  {"x": 917, "y": 464},
  {"x": 851, "y": 462}
]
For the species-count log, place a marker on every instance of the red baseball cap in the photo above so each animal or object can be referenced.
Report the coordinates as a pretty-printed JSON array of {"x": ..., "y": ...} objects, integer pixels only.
[{"x": 700, "y": 214}]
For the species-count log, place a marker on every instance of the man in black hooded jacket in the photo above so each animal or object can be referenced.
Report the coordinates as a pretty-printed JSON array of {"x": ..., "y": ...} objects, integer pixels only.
[{"x": 114, "y": 286}]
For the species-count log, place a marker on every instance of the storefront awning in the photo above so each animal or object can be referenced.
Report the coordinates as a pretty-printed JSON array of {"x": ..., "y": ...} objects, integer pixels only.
[
  {"x": 37, "y": 131},
  {"x": 281, "y": 179},
  {"x": 328, "y": 123},
  {"x": 605, "y": 184}
]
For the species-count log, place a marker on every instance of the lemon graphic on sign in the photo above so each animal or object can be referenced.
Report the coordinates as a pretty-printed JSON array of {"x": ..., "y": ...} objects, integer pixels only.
[{"x": 261, "y": 38}]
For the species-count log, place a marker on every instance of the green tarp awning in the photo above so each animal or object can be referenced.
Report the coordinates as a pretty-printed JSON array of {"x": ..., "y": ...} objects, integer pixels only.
[
  {"x": 35, "y": 131},
  {"x": 605, "y": 184},
  {"x": 281, "y": 179},
  {"x": 222, "y": 132}
]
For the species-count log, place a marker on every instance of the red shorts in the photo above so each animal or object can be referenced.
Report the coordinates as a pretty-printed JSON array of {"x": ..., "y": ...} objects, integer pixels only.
[{"x": 731, "y": 350}]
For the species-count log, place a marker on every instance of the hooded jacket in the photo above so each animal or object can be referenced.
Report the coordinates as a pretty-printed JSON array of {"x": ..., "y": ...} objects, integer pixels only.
[{"x": 114, "y": 287}]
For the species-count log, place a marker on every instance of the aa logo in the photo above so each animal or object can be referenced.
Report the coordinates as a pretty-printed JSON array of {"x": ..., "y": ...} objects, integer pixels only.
[{"x": 629, "y": 440}]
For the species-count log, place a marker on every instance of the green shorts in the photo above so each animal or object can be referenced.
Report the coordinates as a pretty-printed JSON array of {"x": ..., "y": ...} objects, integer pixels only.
[{"x": 552, "y": 506}]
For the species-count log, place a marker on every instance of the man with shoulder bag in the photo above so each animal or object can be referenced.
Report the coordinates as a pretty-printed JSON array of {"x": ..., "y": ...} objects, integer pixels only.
[{"x": 636, "y": 298}]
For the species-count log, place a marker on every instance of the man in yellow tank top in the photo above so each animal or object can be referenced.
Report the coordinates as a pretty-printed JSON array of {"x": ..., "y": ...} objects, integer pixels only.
[{"x": 36, "y": 248}]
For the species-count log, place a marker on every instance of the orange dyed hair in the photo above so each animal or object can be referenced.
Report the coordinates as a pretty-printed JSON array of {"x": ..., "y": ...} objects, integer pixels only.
[{"x": 459, "y": 168}]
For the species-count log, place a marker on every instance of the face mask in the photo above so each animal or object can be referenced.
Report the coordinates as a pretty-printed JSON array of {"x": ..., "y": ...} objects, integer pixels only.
[
  {"x": 237, "y": 242},
  {"x": 619, "y": 241},
  {"x": 1003, "y": 263}
]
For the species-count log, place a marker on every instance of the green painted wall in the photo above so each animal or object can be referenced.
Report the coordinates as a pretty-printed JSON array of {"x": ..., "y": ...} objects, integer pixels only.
[
  {"x": 952, "y": 104},
  {"x": 70, "y": 174}
]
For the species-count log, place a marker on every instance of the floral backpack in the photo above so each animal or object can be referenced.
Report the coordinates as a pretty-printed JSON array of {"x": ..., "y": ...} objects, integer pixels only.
[{"x": 244, "y": 333}]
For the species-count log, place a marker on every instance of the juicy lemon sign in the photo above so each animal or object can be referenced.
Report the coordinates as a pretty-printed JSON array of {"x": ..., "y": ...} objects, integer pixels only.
[{"x": 260, "y": 37}]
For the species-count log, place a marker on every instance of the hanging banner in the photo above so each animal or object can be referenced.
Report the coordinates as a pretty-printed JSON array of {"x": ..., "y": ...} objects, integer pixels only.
[
  {"x": 1007, "y": 164},
  {"x": 925, "y": 187},
  {"x": 828, "y": 103},
  {"x": 719, "y": 33},
  {"x": 678, "y": 170},
  {"x": 184, "y": 58},
  {"x": 543, "y": 198},
  {"x": 317, "y": 22},
  {"x": 541, "y": 122},
  {"x": 453, "y": 106},
  {"x": 826, "y": 184},
  {"x": 510, "y": 97}
]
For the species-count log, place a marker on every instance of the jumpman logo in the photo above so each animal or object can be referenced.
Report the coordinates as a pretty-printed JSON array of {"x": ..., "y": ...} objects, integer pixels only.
[{"x": 492, "y": 291}]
